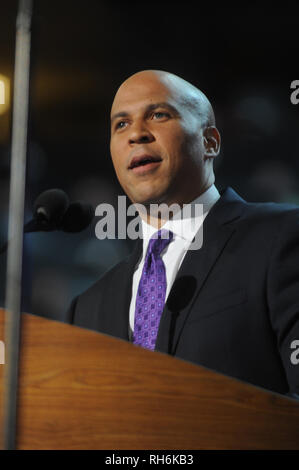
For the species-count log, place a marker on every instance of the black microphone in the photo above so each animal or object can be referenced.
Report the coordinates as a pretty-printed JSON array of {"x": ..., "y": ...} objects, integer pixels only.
[
  {"x": 77, "y": 217},
  {"x": 48, "y": 211},
  {"x": 52, "y": 211},
  {"x": 181, "y": 293},
  {"x": 180, "y": 296}
]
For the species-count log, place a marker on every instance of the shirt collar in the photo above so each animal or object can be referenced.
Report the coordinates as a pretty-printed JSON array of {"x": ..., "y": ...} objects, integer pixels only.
[{"x": 188, "y": 220}]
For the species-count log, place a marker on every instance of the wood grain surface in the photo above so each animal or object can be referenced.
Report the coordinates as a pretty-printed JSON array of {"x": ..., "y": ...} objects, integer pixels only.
[{"x": 79, "y": 389}]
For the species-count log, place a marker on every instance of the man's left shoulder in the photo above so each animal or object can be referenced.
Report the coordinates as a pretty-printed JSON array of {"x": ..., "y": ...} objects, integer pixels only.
[
  {"x": 278, "y": 214},
  {"x": 232, "y": 207}
]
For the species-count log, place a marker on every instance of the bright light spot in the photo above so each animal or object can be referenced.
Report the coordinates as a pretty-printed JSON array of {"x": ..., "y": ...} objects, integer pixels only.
[
  {"x": 2, "y": 353},
  {"x": 4, "y": 94}
]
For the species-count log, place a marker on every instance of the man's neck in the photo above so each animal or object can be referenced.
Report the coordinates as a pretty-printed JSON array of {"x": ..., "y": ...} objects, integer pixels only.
[{"x": 157, "y": 215}]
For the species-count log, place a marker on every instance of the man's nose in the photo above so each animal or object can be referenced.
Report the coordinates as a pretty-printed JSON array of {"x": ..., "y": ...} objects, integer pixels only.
[{"x": 140, "y": 134}]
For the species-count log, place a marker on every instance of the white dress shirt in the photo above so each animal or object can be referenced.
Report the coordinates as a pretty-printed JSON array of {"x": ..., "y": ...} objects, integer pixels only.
[{"x": 184, "y": 229}]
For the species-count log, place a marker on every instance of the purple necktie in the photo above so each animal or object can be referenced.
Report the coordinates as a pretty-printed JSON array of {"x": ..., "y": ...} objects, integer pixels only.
[{"x": 151, "y": 292}]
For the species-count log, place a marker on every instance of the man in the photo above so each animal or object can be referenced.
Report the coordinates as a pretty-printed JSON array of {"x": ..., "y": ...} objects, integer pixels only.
[{"x": 231, "y": 305}]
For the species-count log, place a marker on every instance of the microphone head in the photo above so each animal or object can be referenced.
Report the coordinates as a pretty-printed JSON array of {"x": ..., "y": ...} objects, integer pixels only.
[
  {"x": 49, "y": 209},
  {"x": 77, "y": 217},
  {"x": 181, "y": 293}
]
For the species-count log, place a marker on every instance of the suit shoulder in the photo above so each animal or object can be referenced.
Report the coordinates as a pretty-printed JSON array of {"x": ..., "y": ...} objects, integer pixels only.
[
  {"x": 105, "y": 279},
  {"x": 267, "y": 211}
]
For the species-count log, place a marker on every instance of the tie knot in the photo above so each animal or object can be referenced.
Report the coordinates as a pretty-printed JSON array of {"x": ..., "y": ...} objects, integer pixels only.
[{"x": 159, "y": 241}]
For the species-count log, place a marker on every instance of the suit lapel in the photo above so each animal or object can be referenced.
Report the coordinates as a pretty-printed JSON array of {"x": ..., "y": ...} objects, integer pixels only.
[
  {"x": 119, "y": 301},
  {"x": 218, "y": 228}
]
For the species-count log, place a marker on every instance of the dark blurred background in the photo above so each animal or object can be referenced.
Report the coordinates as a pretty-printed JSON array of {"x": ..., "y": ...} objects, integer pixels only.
[{"x": 243, "y": 58}]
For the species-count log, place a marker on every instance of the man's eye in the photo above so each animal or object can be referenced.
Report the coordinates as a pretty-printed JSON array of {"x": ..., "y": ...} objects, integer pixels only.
[
  {"x": 160, "y": 114},
  {"x": 120, "y": 125}
]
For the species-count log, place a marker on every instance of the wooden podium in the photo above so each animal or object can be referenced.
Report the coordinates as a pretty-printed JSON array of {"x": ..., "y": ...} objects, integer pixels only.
[{"x": 79, "y": 389}]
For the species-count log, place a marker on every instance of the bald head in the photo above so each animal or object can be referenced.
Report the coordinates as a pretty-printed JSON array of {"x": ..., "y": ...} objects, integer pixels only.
[
  {"x": 184, "y": 93},
  {"x": 163, "y": 138}
]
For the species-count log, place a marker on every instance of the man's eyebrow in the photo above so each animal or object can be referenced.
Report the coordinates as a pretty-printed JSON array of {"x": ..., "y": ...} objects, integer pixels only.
[
  {"x": 150, "y": 107},
  {"x": 120, "y": 114},
  {"x": 162, "y": 104}
]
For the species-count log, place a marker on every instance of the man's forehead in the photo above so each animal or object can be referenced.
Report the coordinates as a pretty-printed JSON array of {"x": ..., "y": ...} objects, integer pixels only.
[
  {"x": 150, "y": 86},
  {"x": 140, "y": 92}
]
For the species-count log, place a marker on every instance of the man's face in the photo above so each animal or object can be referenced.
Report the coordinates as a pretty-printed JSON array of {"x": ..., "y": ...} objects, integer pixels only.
[{"x": 156, "y": 143}]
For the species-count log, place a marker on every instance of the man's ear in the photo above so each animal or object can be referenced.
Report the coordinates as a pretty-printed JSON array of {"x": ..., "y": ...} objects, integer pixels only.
[{"x": 212, "y": 141}]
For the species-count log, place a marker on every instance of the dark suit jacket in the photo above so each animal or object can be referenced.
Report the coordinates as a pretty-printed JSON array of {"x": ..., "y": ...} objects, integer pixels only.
[{"x": 234, "y": 307}]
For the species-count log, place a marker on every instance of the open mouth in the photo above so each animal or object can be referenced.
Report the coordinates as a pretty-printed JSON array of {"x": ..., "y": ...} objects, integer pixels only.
[{"x": 143, "y": 161}]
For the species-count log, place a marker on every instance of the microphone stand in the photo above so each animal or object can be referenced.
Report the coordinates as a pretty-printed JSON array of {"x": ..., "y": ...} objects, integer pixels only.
[{"x": 16, "y": 220}]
